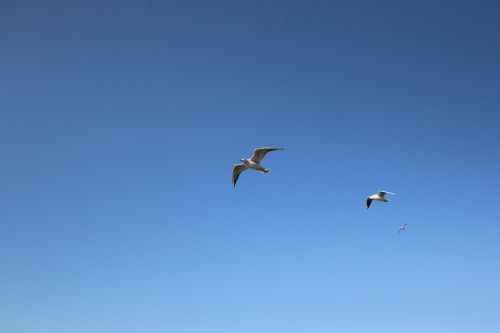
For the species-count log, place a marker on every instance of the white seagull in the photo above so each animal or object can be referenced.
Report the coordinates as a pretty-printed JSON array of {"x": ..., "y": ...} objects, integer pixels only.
[
  {"x": 252, "y": 163},
  {"x": 402, "y": 227},
  {"x": 380, "y": 196}
]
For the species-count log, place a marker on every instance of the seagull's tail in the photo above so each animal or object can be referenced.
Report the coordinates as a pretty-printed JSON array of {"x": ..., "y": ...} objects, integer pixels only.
[{"x": 265, "y": 170}]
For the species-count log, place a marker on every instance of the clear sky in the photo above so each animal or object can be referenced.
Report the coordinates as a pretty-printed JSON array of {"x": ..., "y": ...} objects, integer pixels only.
[{"x": 120, "y": 122}]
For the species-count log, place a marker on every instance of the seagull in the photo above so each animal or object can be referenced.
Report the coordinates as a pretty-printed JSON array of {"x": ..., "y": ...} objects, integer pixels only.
[
  {"x": 252, "y": 163},
  {"x": 380, "y": 196},
  {"x": 402, "y": 227}
]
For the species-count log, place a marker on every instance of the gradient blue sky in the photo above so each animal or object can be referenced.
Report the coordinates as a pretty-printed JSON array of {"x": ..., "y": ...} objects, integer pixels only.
[{"x": 120, "y": 122}]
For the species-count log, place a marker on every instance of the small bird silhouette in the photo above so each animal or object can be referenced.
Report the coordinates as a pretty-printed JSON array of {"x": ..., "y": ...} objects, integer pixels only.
[{"x": 252, "y": 163}]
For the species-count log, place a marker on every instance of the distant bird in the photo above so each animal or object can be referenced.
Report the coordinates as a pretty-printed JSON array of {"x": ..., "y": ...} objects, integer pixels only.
[
  {"x": 402, "y": 228},
  {"x": 252, "y": 163},
  {"x": 380, "y": 196}
]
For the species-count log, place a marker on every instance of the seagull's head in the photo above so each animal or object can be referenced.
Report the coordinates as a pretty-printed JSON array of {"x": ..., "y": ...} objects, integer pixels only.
[{"x": 243, "y": 159}]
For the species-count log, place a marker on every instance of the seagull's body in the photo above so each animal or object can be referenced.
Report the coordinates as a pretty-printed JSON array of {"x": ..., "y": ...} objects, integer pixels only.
[
  {"x": 402, "y": 228},
  {"x": 380, "y": 196},
  {"x": 252, "y": 163}
]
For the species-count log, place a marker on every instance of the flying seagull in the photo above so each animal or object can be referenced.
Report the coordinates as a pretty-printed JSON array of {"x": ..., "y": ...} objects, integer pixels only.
[
  {"x": 252, "y": 163},
  {"x": 380, "y": 196},
  {"x": 402, "y": 228}
]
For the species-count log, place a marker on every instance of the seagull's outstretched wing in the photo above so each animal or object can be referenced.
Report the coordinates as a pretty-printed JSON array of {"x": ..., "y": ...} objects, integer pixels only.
[
  {"x": 368, "y": 202},
  {"x": 383, "y": 193},
  {"x": 237, "y": 169},
  {"x": 259, "y": 153}
]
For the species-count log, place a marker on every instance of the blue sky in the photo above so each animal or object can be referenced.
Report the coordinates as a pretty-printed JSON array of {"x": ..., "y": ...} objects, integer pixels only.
[{"x": 120, "y": 122}]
